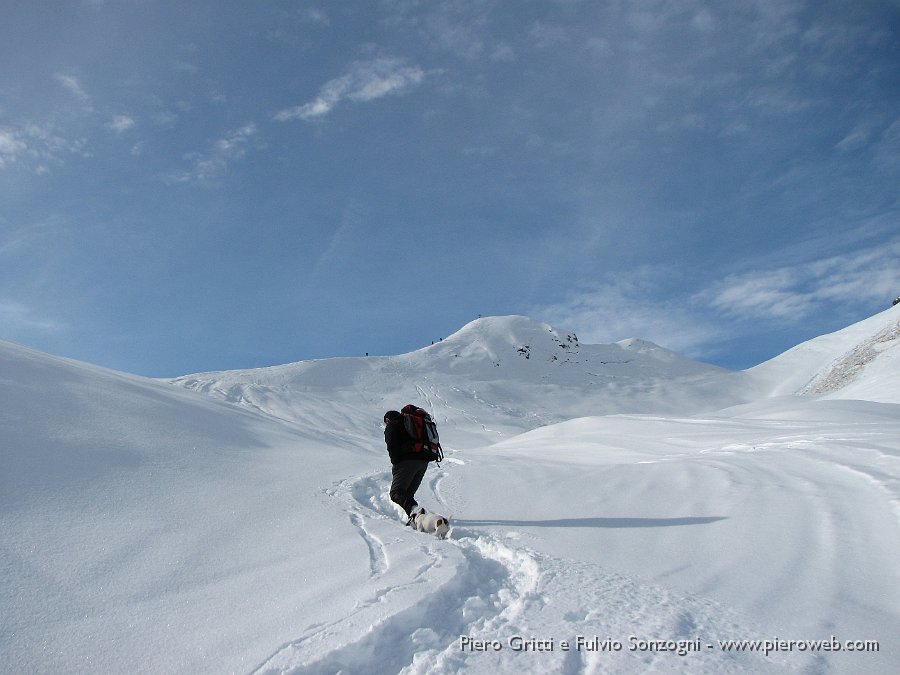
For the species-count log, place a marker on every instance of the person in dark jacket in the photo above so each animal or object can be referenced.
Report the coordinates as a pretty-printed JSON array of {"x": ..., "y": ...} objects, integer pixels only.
[{"x": 407, "y": 469}]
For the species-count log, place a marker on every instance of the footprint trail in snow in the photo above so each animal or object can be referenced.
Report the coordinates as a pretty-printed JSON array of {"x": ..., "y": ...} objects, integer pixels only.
[{"x": 481, "y": 603}]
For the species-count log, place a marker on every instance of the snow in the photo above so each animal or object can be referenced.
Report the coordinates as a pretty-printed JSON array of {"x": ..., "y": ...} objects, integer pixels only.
[
  {"x": 619, "y": 500},
  {"x": 842, "y": 362}
]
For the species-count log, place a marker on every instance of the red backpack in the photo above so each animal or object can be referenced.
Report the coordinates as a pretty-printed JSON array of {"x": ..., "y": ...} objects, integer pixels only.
[{"x": 423, "y": 431}]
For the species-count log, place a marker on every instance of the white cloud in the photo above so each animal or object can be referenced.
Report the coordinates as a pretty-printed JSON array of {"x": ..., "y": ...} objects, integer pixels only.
[
  {"x": 121, "y": 123},
  {"x": 11, "y": 147},
  {"x": 185, "y": 67},
  {"x": 547, "y": 36},
  {"x": 644, "y": 305},
  {"x": 777, "y": 100},
  {"x": 213, "y": 164},
  {"x": 73, "y": 85},
  {"x": 315, "y": 15},
  {"x": 503, "y": 53},
  {"x": 770, "y": 294},
  {"x": 165, "y": 118},
  {"x": 599, "y": 47},
  {"x": 634, "y": 306},
  {"x": 794, "y": 293},
  {"x": 887, "y": 150},
  {"x": 350, "y": 232},
  {"x": 686, "y": 122},
  {"x": 857, "y": 138},
  {"x": 704, "y": 21},
  {"x": 365, "y": 81},
  {"x": 34, "y": 146},
  {"x": 15, "y": 316}
]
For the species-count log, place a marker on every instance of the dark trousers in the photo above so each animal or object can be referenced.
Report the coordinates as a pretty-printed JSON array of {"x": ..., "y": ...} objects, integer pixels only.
[{"x": 407, "y": 477}]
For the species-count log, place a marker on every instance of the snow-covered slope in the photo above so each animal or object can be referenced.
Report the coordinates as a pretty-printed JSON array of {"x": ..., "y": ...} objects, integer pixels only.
[
  {"x": 494, "y": 378},
  {"x": 618, "y": 498},
  {"x": 861, "y": 361},
  {"x": 144, "y": 528}
]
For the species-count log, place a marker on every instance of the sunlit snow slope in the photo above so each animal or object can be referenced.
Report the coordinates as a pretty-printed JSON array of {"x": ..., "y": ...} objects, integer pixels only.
[
  {"x": 861, "y": 361},
  {"x": 144, "y": 528},
  {"x": 496, "y": 377},
  {"x": 620, "y": 495}
]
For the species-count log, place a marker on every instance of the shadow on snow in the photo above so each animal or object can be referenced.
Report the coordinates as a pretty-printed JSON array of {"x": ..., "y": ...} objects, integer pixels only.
[{"x": 598, "y": 522}]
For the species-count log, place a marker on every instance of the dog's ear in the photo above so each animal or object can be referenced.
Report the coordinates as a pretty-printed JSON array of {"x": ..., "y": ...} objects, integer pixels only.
[{"x": 440, "y": 522}]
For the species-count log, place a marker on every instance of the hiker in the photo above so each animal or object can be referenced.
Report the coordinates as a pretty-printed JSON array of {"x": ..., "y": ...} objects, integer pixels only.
[{"x": 407, "y": 467}]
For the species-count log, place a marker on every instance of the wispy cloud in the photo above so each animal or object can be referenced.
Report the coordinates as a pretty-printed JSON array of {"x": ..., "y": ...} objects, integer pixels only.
[
  {"x": 793, "y": 293},
  {"x": 768, "y": 294},
  {"x": 36, "y": 147},
  {"x": 887, "y": 151},
  {"x": 121, "y": 123},
  {"x": 365, "y": 81},
  {"x": 350, "y": 231},
  {"x": 11, "y": 147},
  {"x": 857, "y": 138},
  {"x": 623, "y": 307},
  {"x": 314, "y": 15},
  {"x": 15, "y": 317},
  {"x": 210, "y": 166},
  {"x": 73, "y": 85},
  {"x": 547, "y": 36},
  {"x": 642, "y": 304}
]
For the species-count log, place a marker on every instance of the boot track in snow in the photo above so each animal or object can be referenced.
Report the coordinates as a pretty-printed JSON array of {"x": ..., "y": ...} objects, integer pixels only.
[{"x": 475, "y": 603}]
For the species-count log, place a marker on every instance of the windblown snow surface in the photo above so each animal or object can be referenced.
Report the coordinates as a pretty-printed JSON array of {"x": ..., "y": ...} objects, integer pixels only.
[{"x": 616, "y": 508}]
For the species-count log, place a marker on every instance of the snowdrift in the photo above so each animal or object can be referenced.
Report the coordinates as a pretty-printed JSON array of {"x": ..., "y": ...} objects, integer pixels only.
[{"x": 617, "y": 508}]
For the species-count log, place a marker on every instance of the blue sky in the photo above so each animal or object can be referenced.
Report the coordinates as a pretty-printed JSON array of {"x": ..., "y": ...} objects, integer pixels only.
[{"x": 189, "y": 186}]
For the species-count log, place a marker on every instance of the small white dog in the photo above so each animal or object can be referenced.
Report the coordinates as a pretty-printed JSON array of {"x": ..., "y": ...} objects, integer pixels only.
[{"x": 432, "y": 523}]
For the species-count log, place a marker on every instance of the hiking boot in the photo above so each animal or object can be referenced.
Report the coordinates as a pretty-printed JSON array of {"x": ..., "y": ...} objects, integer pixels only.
[{"x": 416, "y": 510}]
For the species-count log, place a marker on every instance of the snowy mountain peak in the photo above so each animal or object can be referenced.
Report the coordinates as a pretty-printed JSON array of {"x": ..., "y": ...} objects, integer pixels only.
[
  {"x": 497, "y": 337},
  {"x": 505, "y": 374},
  {"x": 646, "y": 347}
]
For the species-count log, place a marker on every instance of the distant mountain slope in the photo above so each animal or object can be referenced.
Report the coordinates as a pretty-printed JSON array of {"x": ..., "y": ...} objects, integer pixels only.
[
  {"x": 861, "y": 361},
  {"x": 495, "y": 377}
]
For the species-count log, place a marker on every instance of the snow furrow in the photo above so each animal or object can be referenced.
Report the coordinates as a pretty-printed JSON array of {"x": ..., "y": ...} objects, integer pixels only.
[{"x": 377, "y": 557}]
